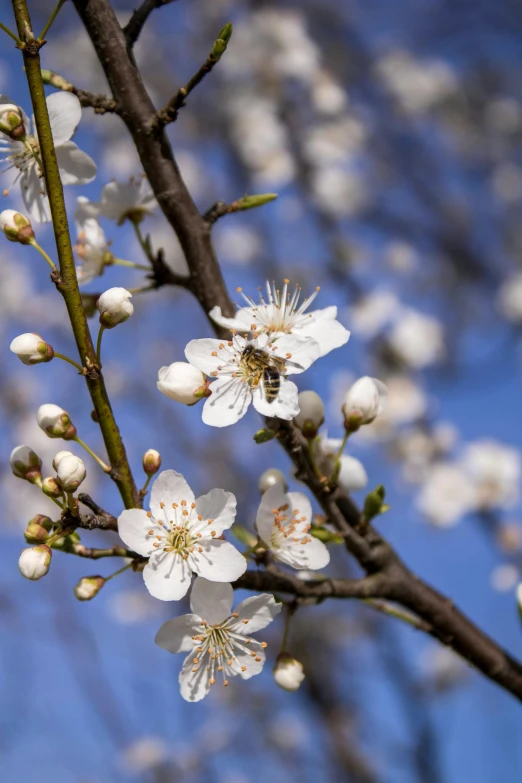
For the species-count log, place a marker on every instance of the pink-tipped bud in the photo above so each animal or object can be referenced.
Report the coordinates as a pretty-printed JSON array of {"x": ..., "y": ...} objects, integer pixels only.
[
  {"x": 151, "y": 462},
  {"x": 16, "y": 227}
]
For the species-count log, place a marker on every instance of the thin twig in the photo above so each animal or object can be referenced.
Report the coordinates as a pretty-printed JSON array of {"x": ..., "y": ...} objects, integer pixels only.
[{"x": 136, "y": 23}]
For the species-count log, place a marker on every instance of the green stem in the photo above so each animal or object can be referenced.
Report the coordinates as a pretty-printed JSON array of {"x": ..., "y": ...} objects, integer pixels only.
[
  {"x": 101, "y": 463},
  {"x": 342, "y": 446},
  {"x": 42, "y": 252},
  {"x": 132, "y": 264},
  {"x": 72, "y": 505},
  {"x": 143, "y": 490},
  {"x": 10, "y": 33},
  {"x": 70, "y": 361},
  {"x": 67, "y": 283},
  {"x": 119, "y": 571},
  {"x": 98, "y": 346},
  {"x": 399, "y": 614},
  {"x": 139, "y": 235},
  {"x": 51, "y": 20}
]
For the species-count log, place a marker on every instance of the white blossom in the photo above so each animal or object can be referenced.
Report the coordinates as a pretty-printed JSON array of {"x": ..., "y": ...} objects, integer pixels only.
[
  {"x": 284, "y": 521},
  {"x": 115, "y": 307},
  {"x": 217, "y": 639},
  {"x": 239, "y": 376},
  {"x": 91, "y": 247},
  {"x": 131, "y": 200},
  {"x": 519, "y": 597},
  {"x": 76, "y": 167},
  {"x": 363, "y": 402},
  {"x": 182, "y": 382},
  {"x": 417, "y": 339},
  {"x": 495, "y": 470},
  {"x": 16, "y": 227},
  {"x": 283, "y": 313},
  {"x": 504, "y": 577},
  {"x": 70, "y": 471},
  {"x": 31, "y": 348},
  {"x": 34, "y": 562},
  {"x": 181, "y": 535},
  {"x": 288, "y": 672},
  {"x": 447, "y": 495},
  {"x": 510, "y": 298},
  {"x": 370, "y": 314}
]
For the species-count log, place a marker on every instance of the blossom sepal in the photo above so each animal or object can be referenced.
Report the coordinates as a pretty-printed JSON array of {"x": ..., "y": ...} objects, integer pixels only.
[
  {"x": 26, "y": 464},
  {"x": 16, "y": 227},
  {"x": 12, "y": 122}
]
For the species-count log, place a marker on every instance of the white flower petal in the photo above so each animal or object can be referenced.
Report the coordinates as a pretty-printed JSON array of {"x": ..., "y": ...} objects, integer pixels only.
[
  {"x": 194, "y": 685},
  {"x": 170, "y": 487},
  {"x": 228, "y": 402},
  {"x": 167, "y": 576},
  {"x": 259, "y": 610},
  {"x": 219, "y": 561},
  {"x": 210, "y": 601},
  {"x": 248, "y": 661},
  {"x": 286, "y": 404},
  {"x": 218, "y": 505},
  {"x": 34, "y": 196},
  {"x": 325, "y": 330},
  {"x": 175, "y": 635},
  {"x": 313, "y": 555},
  {"x": 240, "y": 322},
  {"x": 298, "y": 352},
  {"x": 65, "y": 113},
  {"x": 275, "y": 497},
  {"x": 76, "y": 167},
  {"x": 353, "y": 476},
  {"x": 133, "y": 527},
  {"x": 199, "y": 354}
]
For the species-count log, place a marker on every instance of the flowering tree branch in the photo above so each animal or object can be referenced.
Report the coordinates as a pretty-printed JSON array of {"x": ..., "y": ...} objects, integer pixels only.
[
  {"x": 99, "y": 102},
  {"x": 387, "y": 576},
  {"x": 66, "y": 281}
]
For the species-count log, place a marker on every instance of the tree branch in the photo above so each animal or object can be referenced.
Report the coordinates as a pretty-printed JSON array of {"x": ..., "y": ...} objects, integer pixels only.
[
  {"x": 394, "y": 580},
  {"x": 136, "y": 23},
  {"x": 100, "y": 103},
  {"x": 66, "y": 281}
]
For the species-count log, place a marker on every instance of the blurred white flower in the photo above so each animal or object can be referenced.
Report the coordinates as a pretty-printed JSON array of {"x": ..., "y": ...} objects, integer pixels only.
[
  {"x": 442, "y": 667},
  {"x": 238, "y": 244},
  {"x": 496, "y": 471},
  {"x": 447, "y": 495},
  {"x": 340, "y": 191},
  {"x": 91, "y": 247},
  {"x": 145, "y": 754},
  {"x": 507, "y": 182},
  {"x": 504, "y": 577},
  {"x": 417, "y": 339},
  {"x": 510, "y": 298},
  {"x": 132, "y": 606},
  {"x": 132, "y": 200},
  {"x": 370, "y": 314},
  {"x": 418, "y": 85}
]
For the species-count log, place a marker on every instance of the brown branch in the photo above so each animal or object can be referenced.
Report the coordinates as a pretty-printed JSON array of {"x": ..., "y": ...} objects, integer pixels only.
[
  {"x": 99, "y": 519},
  {"x": 170, "y": 111},
  {"x": 100, "y": 103},
  {"x": 395, "y": 581},
  {"x": 136, "y": 23}
]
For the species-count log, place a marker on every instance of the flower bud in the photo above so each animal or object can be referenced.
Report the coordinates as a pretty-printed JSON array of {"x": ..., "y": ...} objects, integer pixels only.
[
  {"x": 34, "y": 562},
  {"x": 37, "y": 530},
  {"x": 16, "y": 227},
  {"x": 55, "y": 422},
  {"x": 151, "y": 462},
  {"x": 25, "y": 464},
  {"x": 374, "y": 502},
  {"x": 114, "y": 307},
  {"x": 31, "y": 349},
  {"x": 51, "y": 488},
  {"x": 70, "y": 471},
  {"x": 88, "y": 587},
  {"x": 12, "y": 121},
  {"x": 363, "y": 402},
  {"x": 183, "y": 383},
  {"x": 270, "y": 478},
  {"x": 311, "y": 414},
  {"x": 288, "y": 672}
]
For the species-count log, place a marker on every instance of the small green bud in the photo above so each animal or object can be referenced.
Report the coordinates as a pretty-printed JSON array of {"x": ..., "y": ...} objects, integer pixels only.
[
  {"x": 373, "y": 503},
  {"x": 326, "y": 536},
  {"x": 220, "y": 44},
  {"x": 51, "y": 488},
  {"x": 35, "y": 534},
  {"x": 264, "y": 435},
  {"x": 55, "y": 80},
  {"x": 250, "y": 202}
]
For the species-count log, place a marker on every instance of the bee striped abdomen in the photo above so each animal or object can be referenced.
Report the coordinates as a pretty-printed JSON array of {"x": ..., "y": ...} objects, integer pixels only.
[{"x": 271, "y": 383}]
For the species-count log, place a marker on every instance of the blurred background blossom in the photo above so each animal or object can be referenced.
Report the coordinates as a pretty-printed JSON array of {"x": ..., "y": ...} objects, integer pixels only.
[{"x": 393, "y": 136}]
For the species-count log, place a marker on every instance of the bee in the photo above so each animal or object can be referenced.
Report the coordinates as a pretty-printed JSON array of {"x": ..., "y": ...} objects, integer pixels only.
[{"x": 261, "y": 365}]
